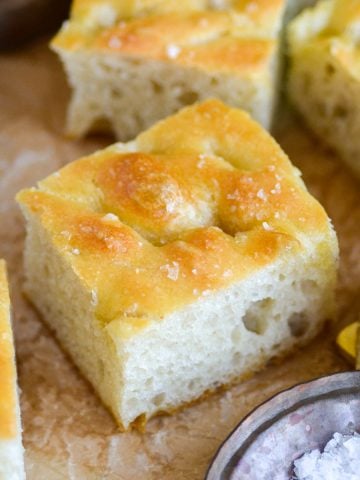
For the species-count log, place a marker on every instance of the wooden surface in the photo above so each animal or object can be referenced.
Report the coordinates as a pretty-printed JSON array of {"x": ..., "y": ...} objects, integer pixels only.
[{"x": 67, "y": 432}]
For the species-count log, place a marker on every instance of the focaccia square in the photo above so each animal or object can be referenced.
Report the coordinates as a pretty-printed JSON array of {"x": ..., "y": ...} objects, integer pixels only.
[
  {"x": 131, "y": 63},
  {"x": 11, "y": 450},
  {"x": 180, "y": 261},
  {"x": 325, "y": 74}
]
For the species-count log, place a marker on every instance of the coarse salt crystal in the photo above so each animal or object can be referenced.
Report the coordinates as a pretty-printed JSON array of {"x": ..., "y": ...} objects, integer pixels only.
[
  {"x": 252, "y": 7},
  {"x": 266, "y": 226},
  {"x": 261, "y": 194},
  {"x": 171, "y": 270},
  {"x": 132, "y": 309},
  {"x": 66, "y": 234},
  {"x": 110, "y": 217},
  {"x": 75, "y": 251},
  {"x": 233, "y": 196},
  {"x": 94, "y": 297},
  {"x": 104, "y": 15},
  {"x": 276, "y": 189},
  {"x": 114, "y": 42},
  {"x": 340, "y": 460},
  {"x": 173, "y": 51}
]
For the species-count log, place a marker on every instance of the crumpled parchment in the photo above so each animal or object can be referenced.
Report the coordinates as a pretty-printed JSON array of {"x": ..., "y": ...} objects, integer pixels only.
[{"x": 68, "y": 434}]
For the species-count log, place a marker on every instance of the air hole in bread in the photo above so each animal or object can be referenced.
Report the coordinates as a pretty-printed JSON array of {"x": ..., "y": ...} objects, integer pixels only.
[
  {"x": 115, "y": 92},
  {"x": 308, "y": 287},
  {"x": 236, "y": 335},
  {"x": 298, "y": 324},
  {"x": 320, "y": 107},
  {"x": 149, "y": 382},
  {"x": 158, "y": 399},
  {"x": 340, "y": 111},
  {"x": 188, "y": 97},
  {"x": 255, "y": 319},
  {"x": 236, "y": 358},
  {"x": 306, "y": 82},
  {"x": 101, "y": 125},
  {"x": 194, "y": 383},
  {"x": 101, "y": 368},
  {"x": 330, "y": 70},
  {"x": 157, "y": 87}
]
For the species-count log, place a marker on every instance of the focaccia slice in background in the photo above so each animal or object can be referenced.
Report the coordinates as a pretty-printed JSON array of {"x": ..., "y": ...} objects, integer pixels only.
[
  {"x": 324, "y": 82},
  {"x": 131, "y": 63}
]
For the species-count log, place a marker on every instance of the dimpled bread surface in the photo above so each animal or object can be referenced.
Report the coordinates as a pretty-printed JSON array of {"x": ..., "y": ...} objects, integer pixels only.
[
  {"x": 179, "y": 262},
  {"x": 11, "y": 451},
  {"x": 131, "y": 63},
  {"x": 328, "y": 96}
]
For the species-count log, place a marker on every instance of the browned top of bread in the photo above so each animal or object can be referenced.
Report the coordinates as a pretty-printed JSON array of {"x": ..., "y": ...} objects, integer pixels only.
[
  {"x": 238, "y": 38},
  {"x": 8, "y": 423},
  {"x": 257, "y": 14},
  {"x": 333, "y": 27},
  {"x": 198, "y": 202}
]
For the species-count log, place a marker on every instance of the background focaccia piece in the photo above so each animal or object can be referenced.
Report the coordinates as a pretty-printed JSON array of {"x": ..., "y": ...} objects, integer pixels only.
[
  {"x": 179, "y": 262},
  {"x": 11, "y": 450},
  {"x": 325, "y": 74},
  {"x": 133, "y": 63}
]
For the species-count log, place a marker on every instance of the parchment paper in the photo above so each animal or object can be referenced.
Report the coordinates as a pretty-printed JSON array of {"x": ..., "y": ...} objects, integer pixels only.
[{"x": 68, "y": 434}]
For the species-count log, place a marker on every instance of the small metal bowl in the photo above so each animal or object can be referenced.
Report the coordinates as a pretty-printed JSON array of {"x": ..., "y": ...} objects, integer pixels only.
[{"x": 266, "y": 443}]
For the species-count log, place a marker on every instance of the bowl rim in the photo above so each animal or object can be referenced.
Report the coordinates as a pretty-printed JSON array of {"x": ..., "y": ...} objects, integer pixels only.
[{"x": 312, "y": 384}]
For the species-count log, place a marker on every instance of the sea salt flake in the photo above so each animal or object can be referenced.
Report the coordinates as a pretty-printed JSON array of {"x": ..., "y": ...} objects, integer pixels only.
[
  {"x": 75, "y": 251},
  {"x": 94, "y": 298},
  {"x": 266, "y": 226},
  {"x": 172, "y": 270},
  {"x": 261, "y": 194},
  {"x": 105, "y": 15},
  {"x": 340, "y": 460},
  {"x": 173, "y": 51},
  {"x": 252, "y": 7},
  {"x": 276, "y": 189},
  {"x": 132, "y": 309},
  {"x": 233, "y": 196},
  {"x": 66, "y": 234},
  {"x": 114, "y": 42},
  {"x": 110, "y": 217}
]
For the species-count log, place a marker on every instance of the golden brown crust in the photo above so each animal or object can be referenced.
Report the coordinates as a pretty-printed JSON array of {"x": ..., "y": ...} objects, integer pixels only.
[
  {"x": 338, "y": 36},
  {"x": 206, "y": 199},
  {"x": 8, "y": 423},
  {"x": 235, "y": 40}
]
